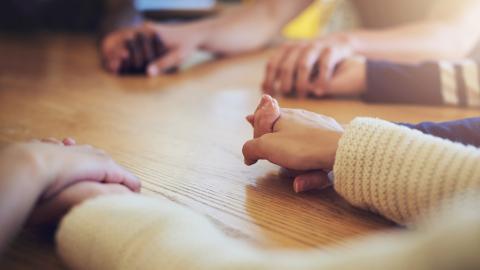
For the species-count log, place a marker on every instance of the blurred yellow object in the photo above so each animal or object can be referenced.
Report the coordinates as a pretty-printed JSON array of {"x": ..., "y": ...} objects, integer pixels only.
[{"x": 311, "y": 21}]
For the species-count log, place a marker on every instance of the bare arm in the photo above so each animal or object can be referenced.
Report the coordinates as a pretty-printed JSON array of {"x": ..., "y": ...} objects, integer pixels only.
[
  {"x": 234, "y": 31},
  {"x": 250, "y": 27},
  {"x": 449, "y": 32}
]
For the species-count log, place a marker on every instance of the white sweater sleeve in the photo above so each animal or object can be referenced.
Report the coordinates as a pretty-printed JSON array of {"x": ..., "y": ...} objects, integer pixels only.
[
  {"x": 402, "y": 173},
  {"x": 138, "y": 232}
]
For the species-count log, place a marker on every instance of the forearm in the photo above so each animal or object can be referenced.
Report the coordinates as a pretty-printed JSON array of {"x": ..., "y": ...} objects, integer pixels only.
[
  {"x": 130, "y": 232},
  {"x": 432, "y": 83},
  {"x": 429, "y": 40},
  {"x": 466, "y": 131},
  {"x": 119, "y": 14},
  {"x": 401, "y": 173},
  {"x": 250, "y": 27},
  {"x": 449, "y": 31},
  {"x": 20, "y": 188}
]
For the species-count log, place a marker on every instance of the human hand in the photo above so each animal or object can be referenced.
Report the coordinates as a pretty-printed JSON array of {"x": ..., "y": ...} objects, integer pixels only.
[
  {"x": 349, "y": 78},
  {"x": 297, "y": 140},
  {"x": 58, "y": 165},
  {"x": 50, "y": 211},
  {"x": 152, "y": 48},
  {"x": 306, "y": 67}
]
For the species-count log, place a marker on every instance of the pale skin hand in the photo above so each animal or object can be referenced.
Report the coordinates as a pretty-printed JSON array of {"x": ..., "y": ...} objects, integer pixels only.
[
  {"x": 297, "y": 140},
  {"x": 309, "y": 67},
  {"x": 224, "y": 34},
  {"x": 305, "y": 67},
  {"x": 46, "y": 174}
]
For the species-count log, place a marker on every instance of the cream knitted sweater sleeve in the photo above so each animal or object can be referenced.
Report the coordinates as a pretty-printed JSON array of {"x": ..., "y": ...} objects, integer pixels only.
[{"x": 401, "y": 173}]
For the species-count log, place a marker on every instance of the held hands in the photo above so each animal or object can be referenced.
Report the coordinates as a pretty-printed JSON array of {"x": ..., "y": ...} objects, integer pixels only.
[
  {"x": 68, "y": 174},
  {"x": 150, "y": 48},
  {"x": 315, "y": 68},
  {"x": 300, "y": 141}
]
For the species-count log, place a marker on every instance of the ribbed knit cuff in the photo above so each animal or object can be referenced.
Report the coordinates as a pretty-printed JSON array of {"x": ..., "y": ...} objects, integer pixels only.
[{"x": 398, "y": 172}]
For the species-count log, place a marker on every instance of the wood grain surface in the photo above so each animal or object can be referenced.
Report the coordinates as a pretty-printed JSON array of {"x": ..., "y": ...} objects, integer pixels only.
[{"x": 182, "y": 135}]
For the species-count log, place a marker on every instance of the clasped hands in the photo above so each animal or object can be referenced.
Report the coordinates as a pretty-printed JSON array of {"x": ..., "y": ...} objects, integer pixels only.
[{"x": 302, "y": 142}]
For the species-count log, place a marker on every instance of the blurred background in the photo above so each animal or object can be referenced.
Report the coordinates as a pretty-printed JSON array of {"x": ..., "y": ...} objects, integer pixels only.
[{"x": 88, "y": 15}]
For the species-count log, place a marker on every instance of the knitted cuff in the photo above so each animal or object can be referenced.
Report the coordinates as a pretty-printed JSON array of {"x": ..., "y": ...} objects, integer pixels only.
[{"x": 398, "y": 172}]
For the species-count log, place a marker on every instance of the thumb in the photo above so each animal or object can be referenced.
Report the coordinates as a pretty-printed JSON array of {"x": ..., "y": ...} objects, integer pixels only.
[
  {"x": 252, "y": 151},
  {"x": 311, "y": 180},
  {"x": 171, "y": 60},
  {"x": 348, "y": 79}
]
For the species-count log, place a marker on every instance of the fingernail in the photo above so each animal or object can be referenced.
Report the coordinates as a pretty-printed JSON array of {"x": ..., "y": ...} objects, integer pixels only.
[
  {"x": 152, "y": 71},
  {"x": 297, "y": 187}
]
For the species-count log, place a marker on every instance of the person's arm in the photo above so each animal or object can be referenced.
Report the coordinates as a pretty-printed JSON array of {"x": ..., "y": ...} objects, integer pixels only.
[
  {"x": 21, "y": 183},
  {"x": 233, "y": 31},
  {"x": 392, "y": 170},
  {"x": 402, "y": 173},
  {"x": 139, "y": 232},
  {"x": 119, "y": 14},
  {"x": 250, "y": 27},
  {"x": 433, "y": 83},
  {"x": 466, "y": 131},
  {"x": 33, "y": 176},
  {"x": 448, "y": 32}
]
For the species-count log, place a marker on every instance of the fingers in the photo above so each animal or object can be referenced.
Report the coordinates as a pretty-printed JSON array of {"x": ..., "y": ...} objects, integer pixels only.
[
  {"x": 118, "y": 175},
  {"x": 51, "y": 140},
  {"x": 131, "y": 50},
  {"x": 273, "y": 69},
  {"x": 288, "y": 70},
  {"x": 250, "y": 119},
  {"x": 305, "y": 67},
  {"x": 252, "y": 151},
  {"x": 146, "y": 43},
  {"x": 168, "y": 63},
  {"x": 324, "y": 72},
  {"x": 159, "y": 47},
  {"x": 349, "y": 78},
  {"x": 265, "y": 116},
  {"x": 135, "y": 53},
  {"x": 311, "y": 180},
  {"x": 327, "y": 64},
  {"x": 69, "y": 141},
  {"x": 84, "y": 163},
  {"x": 51, "y": 211},
  {"x": 114, "y": 51}
]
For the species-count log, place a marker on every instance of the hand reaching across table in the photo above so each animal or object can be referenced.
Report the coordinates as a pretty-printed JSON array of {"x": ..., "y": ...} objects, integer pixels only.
[{"x": 297, "y": 140}]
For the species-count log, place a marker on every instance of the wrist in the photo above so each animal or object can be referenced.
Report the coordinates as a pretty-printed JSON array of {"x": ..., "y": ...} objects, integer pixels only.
[
  {"x": 349, "y": 40},
  {"x": 362, "y": 81},
  {"x": 336, "y": 139},
  {"x": 25, "y": 165},
  {"x": 327, "y": 148},
  {"x": 205, "y": 31}
]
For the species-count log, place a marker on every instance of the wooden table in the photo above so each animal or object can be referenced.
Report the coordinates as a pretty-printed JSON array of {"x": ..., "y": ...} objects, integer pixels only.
[{"x": 182, "y": 135}]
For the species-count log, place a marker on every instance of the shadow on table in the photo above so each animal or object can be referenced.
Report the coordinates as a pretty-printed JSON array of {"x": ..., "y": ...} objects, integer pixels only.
[
  {"x": 310, "y": 219},
  {"x": 30, "y": 249}
]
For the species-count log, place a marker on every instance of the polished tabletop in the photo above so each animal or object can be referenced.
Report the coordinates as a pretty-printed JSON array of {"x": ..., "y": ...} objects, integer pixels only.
[{"x": 182, "y": 135}]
